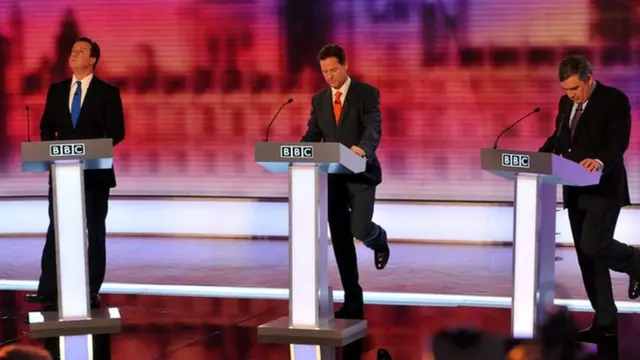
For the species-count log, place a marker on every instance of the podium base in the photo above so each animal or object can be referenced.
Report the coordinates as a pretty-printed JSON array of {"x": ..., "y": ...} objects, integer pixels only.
[
  {"x": 46, "y": 324},
  {"x": 339, "y": 332}
]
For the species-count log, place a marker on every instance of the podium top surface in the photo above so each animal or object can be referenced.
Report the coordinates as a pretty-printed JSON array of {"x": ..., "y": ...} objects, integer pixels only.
[
  {"x": 553, "y": 168},
  {"x": 330, "y": 157},
  {"x": 93, "y": 153}
]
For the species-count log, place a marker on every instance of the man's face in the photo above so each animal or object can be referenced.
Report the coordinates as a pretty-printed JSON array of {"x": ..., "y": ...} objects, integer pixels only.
[
  {"x": 576, "y": 89},
  {"x": 80, "y": 58},
  {"x": 334, "y": 73}
]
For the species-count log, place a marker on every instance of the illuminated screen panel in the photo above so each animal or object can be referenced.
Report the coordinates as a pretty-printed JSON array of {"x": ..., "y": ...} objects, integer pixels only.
[{"x": 200, "y": 81}]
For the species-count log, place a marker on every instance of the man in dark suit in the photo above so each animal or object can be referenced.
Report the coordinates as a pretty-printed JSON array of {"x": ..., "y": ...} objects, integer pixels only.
[
  {"x": 349, "y": 112},
  {"x": 83, "y": 107},
  {"x": 593, "y": 128}
]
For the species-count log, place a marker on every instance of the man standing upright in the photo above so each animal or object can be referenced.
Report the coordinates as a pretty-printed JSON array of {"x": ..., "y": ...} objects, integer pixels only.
[
  {"x": 593, "y": 128},
  {"x": 348, "y": 112},
  {"x": 83, "y": 107}
]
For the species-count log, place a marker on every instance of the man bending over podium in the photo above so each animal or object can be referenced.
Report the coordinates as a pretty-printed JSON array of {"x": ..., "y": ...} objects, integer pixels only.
[
  {"x": 83, "y": 107},
  {"x": 348, "y": 112},
  {"x": 593, "y": 128}
]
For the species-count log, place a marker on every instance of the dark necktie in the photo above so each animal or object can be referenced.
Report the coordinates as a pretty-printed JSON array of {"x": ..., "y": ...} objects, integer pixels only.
[
  {"x": 575, "y": 119},
  {"x": 76, "y": 104}
]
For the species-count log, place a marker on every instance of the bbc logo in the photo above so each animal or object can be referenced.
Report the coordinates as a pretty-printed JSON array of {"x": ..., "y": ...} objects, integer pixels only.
[
  {"x": 66, "y": 150},
  {"x": 516, "y": 160},
  {"x": 296, "y": 151}
]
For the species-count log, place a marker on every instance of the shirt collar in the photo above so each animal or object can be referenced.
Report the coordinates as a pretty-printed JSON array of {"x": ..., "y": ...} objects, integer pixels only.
[
  {"x": 85, "y": 82},
  {"x": 343, "y": 89}
]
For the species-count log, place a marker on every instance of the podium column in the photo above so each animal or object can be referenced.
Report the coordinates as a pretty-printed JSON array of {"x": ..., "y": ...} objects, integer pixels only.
[
  {"x": 73, "y": 321},
  {"x": 310, "y": 302},
  {"x": 533, "y": 253},
  {"x": 71, "y": 254},
  {"x": 310, "y": 328}
]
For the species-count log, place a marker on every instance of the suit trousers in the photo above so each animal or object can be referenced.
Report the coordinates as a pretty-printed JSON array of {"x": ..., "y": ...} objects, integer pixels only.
[
  {"x": 593, "y": 227},
  {"x": 350, "y": 216},
  {"x": 96, "y": 208}
]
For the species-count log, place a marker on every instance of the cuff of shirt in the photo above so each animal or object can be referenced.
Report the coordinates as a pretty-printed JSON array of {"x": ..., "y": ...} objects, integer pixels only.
[{"x": 601, "y": 164}]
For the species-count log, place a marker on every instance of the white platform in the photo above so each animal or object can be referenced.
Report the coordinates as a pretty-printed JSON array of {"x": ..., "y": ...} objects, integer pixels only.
[{"x": 230, "y": 218}]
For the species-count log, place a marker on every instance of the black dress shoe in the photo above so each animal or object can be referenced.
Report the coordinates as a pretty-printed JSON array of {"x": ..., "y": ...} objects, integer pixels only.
[
  {"x": 634, "y": 288},
  {"x": 381, "y": 254},
  {"x": 38, "y": 299},
  {"x": 383, "y": 354},
  {"x": 51, "y": 302},
  {"x": 350, "y": 312},
  {"x": 597, "y": 334}
]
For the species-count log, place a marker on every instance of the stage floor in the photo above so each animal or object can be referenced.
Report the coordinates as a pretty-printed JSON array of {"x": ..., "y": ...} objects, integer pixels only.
[
  {"x": 413, "y": 268},
  {"x": 194, "y": 327}
]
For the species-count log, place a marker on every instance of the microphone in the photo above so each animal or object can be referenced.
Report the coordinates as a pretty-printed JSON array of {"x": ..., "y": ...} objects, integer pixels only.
[
  {"x": 495, "y": 143},
  {"x": 28, "y": 113},
  {"x": 266, "y": 138},
  {"x": 558, "y": 132}
]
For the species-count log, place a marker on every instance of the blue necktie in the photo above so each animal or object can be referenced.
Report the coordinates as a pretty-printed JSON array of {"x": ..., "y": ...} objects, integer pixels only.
[{"x": 76, "y": 104}]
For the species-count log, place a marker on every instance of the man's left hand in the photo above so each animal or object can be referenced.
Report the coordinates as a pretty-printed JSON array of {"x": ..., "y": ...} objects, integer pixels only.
[
  {"x": 358, "y": 151},
  {"x": 591, "y": 165}
]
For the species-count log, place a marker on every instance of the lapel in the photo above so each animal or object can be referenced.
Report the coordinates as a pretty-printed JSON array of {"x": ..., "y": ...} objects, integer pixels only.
[
  {"x": 328, "y": 100},
  {"x": 566, "y": 121},
  {"x": 348, "y": 101},
  {"x": 588, "y": 110},
  {"x": 64, "y": 98}
]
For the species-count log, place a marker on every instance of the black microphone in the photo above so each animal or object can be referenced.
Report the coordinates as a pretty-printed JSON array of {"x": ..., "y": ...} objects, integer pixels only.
[
  {"x": 495, "y": 143},
  {"x": 28, "y": 111},
  {"x": 266, "y": 138},
  {"x": 558, "y": 132}
]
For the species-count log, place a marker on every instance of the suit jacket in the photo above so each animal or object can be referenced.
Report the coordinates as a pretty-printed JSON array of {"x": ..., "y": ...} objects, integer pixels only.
[
  {"x": 101, "y": 116},
  {"x": 359, "y": 124},
  {"x": 602, "y": 133}
]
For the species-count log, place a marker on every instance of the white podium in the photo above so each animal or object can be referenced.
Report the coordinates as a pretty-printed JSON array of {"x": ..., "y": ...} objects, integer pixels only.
[
  {"x": 536, "y": 178},
  {"x": 310, "y": 323},
  {"x": 74, "y": 322}
]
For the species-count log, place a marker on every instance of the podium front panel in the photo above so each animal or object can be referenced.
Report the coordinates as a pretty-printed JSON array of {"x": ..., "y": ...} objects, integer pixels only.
[
  {"x": 329, "y": 157},
  {"x": 94, "y": 153},
  {"x": 551, "y": 168}
]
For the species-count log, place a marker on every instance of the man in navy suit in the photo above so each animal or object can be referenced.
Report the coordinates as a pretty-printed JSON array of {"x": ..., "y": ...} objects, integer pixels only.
[
  {"x": 348, "y": 112},
  {"x": 82, "y": 107}
]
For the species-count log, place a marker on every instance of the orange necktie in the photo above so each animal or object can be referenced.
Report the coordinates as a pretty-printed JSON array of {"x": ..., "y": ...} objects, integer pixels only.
[{"x": 337, "y": 106}]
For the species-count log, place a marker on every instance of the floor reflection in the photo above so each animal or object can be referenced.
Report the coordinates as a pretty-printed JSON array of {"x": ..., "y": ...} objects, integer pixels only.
[{"x": 155, "y": 328}]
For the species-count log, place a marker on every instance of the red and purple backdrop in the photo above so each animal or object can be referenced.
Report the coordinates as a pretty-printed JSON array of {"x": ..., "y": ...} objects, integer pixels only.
[{"x": 201, "y": 79}]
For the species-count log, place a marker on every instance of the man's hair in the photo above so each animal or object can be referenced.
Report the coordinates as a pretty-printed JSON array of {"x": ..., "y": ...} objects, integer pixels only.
[
  {"x": 332, "y": 50},
  {"x": 95, "y": 48},
  {"x": 23, "y": 352},
  {"x": 576, "y": 65}
]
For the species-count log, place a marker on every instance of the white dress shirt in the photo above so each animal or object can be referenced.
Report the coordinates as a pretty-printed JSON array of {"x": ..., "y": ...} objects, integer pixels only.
[
  {"x": 84, "y": 86},
  {"x": 343, "y": 91}
]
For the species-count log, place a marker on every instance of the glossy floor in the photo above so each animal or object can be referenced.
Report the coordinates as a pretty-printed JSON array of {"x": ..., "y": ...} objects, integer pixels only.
[
  {"x": 225, "y": 329},
  {"x": 434, "y": 269}
]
